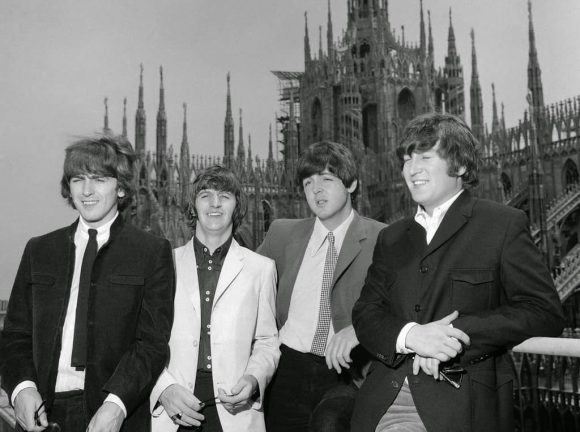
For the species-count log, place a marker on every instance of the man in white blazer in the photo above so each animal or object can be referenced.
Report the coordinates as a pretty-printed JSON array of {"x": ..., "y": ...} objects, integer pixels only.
[{"x": 224, "y": 341}]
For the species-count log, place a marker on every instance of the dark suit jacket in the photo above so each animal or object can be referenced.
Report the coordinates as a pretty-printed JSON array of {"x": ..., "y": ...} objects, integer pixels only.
[
  {"x": 481, "y": 262},
  {"x": 286, "y": 244},
  {"x": 130, "y": 317}
]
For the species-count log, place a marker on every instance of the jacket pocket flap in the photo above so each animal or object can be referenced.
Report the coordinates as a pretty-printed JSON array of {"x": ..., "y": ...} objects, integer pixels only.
[
  {"x": 127, "y": 280},
  {"x": 42, "y": 279},
  {"x": 473, "y": 277}
]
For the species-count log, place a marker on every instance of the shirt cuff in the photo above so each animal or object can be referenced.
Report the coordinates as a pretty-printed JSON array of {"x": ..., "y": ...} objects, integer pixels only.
[
  {"x": 117, "y": 401},
  {"x": 402, "y": 339},
  {"x": 23, "y": 385}
]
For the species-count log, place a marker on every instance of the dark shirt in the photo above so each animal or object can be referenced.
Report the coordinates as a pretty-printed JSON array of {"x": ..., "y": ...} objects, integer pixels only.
[{"x": 208, "y": 273}]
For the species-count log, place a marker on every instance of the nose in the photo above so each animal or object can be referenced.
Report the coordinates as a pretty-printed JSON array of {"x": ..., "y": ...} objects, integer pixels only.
[
  {"x": 215, "y": 200},
  {"x": 316, "y": 186},
  {"x": 88, "y": 187},
  {"x": 414, "y": 165}
]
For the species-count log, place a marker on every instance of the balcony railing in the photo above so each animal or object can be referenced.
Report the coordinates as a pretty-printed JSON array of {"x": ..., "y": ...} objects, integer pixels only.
[{"x": 546, "y": 396}]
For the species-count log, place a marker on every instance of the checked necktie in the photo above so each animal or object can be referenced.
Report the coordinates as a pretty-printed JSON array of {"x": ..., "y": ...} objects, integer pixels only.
[
  {"x": 79, "y": 353},
  {"x": 324, "y": 315}
]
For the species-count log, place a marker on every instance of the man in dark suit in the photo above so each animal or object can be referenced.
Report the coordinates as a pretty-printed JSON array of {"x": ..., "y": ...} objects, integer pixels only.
[
  {"x": 448, "y": 293},
  {"x": 90, "y": 313},
  {"x": 321, "y": 264}
]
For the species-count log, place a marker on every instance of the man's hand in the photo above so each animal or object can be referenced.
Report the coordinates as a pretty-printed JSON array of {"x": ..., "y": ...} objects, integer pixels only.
[
  {"x": 428, "y": 365},
  {"x": 241, "y": 394},
  {"x": 108, "y": 418},
  {"x": 25, "y": 406},
  {"x": 181, "y": 406},
  {"x": 339, "y": 348},
  {"x": 437, "y": 339}
]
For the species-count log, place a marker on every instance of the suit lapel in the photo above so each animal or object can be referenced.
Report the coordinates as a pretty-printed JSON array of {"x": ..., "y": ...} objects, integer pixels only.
[
  {"x": 231, "y": 267},
  {"x": 187, "y": 271},
  {"x": 293, "y": 254},
  {"x": 457, "y": 216},
  {"x": 350, "y": 246}
]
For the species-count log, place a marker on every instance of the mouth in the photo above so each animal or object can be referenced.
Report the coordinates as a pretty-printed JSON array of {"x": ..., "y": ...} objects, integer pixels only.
[
  {"x": 419, "y": 182},
  {"x": 320, "y": 202},
  {"x": 89, "y": 203},
  {"x": 214, "y": 214}
]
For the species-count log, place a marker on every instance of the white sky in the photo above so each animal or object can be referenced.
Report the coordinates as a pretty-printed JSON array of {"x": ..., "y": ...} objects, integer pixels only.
[{"x": 61, "y": 58}]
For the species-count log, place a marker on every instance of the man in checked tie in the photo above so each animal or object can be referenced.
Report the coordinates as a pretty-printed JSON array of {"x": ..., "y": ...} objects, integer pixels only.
[
  {"x": 321, "y": 263},
  {"x": 90, "y": 313}
]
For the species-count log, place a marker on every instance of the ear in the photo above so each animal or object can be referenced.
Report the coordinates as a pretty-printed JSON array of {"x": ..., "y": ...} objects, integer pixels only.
[
  {"x": 462, "y": 170},
  {"x": 120, "y": 193},
  {"x": 352, "y": 186}
]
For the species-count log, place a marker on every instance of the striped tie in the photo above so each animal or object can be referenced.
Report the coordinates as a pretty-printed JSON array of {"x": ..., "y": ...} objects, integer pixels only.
[{"x": 324, "y": 314}]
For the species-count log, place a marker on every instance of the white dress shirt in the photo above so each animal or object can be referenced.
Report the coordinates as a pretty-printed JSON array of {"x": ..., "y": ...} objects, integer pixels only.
[
  {"x": 299, "y": 329},
  {"x": 68, "y": 378}
]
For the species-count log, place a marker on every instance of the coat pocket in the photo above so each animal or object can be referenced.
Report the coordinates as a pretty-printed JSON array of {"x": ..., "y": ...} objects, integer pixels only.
[{"x": 471, "y": 290}]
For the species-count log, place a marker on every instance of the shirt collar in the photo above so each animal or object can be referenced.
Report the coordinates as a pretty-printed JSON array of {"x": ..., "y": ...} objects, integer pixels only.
[
  {"x": 220, "y": 252},
  {"x": 102, "y": 230},
  {"x": 438, "y": 212},
  {"x": 320, "y": 232}
]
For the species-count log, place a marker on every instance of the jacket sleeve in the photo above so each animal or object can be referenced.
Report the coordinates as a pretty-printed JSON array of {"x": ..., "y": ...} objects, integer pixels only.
[
  {"x": 266, "y": 347},
  {"x": 16, "y": 356},
  {"x": 529, "y": 305},
  {"x": 144, "y": 360},
  {"x": 374, "y": 321}
]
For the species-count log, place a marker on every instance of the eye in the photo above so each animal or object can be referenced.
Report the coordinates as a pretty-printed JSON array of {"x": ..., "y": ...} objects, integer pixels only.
[
  {"x": 225, "y": 196},
  {"x": 306, "y": 183},
  {"x": 101, "y": 179}
]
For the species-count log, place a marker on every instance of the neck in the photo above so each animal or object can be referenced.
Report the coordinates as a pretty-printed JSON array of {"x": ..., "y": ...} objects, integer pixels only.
[{"x": 212, "y": 240}]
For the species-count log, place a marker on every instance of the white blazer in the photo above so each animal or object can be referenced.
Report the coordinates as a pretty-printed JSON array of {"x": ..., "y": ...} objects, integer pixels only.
[{"x": 244, "y": 337}]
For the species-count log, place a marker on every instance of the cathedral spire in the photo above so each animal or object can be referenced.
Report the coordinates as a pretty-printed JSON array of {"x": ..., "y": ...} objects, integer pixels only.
[
  {"x": 534, "y": 71},
  {"x": 431, "y": 50},
  {"x": 124, "y": 134},
  {"x": 329, "y": 35},
  {"x": 307, "y": 56},
  {"x": 495, "y": 119},
  {"x": 270, "y": 151},
  {"x": 241, "y": 151},
  {"x": 249, "y": 162},
  {"x": 422, "y": 35},
  {"x": 184, "y": 161},
  {"x": 476, "y": 103},
  {"x": 106, "y": 129},
  {"x": 184, "y": 140},
  {"x": 320, "y": 54},
  {"x": 140, "y": 119},
  {"x": 451, "y": 47},
  {"x": 228, "y": 129},
  {"x": 161, "y": 122}
]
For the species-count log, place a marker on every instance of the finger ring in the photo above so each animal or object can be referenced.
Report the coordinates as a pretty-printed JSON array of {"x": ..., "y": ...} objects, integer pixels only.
[{"x": 176, "y": 416}]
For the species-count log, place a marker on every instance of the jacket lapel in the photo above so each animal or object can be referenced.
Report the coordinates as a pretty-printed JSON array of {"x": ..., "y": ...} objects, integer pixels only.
[
  {"x": 351, "y": 247},
  {"x": 231, "y": 267},
  {"x": 457, "y": 216},
  {"x": 186, "y": 268}
]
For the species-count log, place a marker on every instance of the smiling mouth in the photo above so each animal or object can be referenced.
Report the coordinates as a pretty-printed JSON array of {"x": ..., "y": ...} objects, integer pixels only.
[
  {"x": 214, "y": 214},
  {"x": 89, "y": 203},
  {"x": 419, "y": 182}
]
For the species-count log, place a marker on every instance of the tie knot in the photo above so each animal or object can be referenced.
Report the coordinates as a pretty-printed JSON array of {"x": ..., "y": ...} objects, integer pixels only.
[
  {"x": 92, "y": 234},
  {"x": 330, "y": 237}
]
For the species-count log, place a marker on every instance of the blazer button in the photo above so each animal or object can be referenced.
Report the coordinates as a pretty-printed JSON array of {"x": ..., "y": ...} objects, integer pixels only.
[
  {"x": 395, "y": 384},
  {"x": 424, "y": 269},
  {"x": 417, "y": 308},
  {"x": 195, "y": 343}
]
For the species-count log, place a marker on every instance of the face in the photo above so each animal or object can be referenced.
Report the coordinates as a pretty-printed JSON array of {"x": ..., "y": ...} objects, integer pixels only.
[
  {"x": 95, "y": 198},
  {"x": 214, "y": 211},
  {"x": 427, "y": 177},
  {"x": 328, "y": 198}
]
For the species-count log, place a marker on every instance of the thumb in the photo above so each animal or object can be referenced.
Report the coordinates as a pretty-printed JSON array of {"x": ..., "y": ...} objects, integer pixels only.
[
  {"x": 449, "y": 318},
  {"x": 238, "y": 387}
]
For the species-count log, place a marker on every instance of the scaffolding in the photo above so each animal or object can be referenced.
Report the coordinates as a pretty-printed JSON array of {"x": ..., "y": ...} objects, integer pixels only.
[{"x": 288, "y": 90}]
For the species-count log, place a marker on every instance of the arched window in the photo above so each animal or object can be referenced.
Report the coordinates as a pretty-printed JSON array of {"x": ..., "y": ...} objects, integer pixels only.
[
  {"x": 370, "y": 127},
  {"x": 570, "y": 173},
  {"x": 406, "y": 105},
  {"x": 316, "y": 117}
]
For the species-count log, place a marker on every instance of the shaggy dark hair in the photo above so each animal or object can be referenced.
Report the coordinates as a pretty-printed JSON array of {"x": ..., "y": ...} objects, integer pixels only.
[
  {"x": 457, "y": 145},
  {"x": 328, "y": 155},
  {"x": 107, "y": 156},
  {"x": 222, "y": 179}
]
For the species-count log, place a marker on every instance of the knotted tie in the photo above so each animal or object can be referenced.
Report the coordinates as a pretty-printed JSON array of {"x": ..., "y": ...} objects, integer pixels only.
[
  {"x": 79, "y": 353},
  {"x": 324, "y": 315}
]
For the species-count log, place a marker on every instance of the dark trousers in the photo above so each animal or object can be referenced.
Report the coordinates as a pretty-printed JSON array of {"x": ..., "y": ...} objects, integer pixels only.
[
  {"x": 299, "y": 385},
  {"x": 68, "y": 411},
  {"x": 204, "y": 391}
]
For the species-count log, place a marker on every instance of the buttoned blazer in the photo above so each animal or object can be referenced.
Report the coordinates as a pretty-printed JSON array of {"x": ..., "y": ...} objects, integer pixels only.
[
  {"x": 244, "y": 337},
  {"x": 129, "y": 318},
  {"x": 481, "y": 262},
  {"x": 286, "y": 243}
]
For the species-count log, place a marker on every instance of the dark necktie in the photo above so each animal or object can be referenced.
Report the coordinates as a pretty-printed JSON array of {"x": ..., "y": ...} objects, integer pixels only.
[
  {"x": 79, "y": 352},
  {"x": 324, "y": 313}
]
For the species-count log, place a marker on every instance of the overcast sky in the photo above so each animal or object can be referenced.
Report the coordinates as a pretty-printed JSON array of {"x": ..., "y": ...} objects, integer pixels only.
[{"x": 61, "y": 58}]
